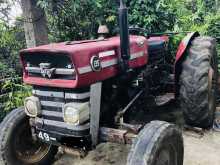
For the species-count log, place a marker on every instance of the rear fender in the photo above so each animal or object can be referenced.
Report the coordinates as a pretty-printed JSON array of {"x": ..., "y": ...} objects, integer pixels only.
[{"x": 180, "y": 56}]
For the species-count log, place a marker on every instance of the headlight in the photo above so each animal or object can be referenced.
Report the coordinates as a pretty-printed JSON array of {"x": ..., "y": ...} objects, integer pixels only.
[
  {"x": 32, "y": 106},
  {"x": 76, "y": 113}
]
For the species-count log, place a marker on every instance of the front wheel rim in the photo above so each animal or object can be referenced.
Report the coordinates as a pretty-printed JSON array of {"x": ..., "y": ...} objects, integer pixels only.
[{"x": 26, "y": 149}]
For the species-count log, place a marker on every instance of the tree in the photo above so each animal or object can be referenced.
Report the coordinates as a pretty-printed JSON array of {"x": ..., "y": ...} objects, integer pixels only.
[
  {"x": 153, "y": 15},
  {"x": 77, "y": 19},
  {"x": 11, "y": 41}
]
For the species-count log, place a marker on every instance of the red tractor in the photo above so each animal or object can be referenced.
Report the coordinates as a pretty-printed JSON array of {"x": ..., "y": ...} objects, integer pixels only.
[{"x": 92, "y": 91}]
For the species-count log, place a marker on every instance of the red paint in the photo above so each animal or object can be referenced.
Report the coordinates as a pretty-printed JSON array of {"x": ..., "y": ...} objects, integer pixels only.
[
  {"x": 161, "y": 38},
  {"x": 81, "y": 54},
  {"x": 184, "y": 44},
  {"x": 181, "y": 50},
  {"x": 49, "y": 83}
]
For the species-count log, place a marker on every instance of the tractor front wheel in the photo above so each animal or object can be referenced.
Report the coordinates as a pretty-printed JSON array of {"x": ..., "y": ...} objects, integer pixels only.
[
  {"x": 159, "y": 143},
  {"x": 17, "y": 146}
]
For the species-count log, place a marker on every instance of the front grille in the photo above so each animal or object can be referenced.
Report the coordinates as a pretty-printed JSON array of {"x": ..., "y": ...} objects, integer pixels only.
[
  {"x": 49, "y": 65},
  {"x": 52, "y": 101}
]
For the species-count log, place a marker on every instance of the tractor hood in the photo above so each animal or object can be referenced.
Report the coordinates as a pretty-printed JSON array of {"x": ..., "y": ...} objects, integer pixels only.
[{"x": 79, "y": 63}]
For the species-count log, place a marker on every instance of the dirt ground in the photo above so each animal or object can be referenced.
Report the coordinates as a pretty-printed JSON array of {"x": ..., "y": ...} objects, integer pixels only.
[{"x": 199, "y": 150}]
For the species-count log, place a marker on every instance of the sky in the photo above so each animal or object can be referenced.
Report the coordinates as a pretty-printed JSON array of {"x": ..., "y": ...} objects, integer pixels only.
[{"x": 15, "y": 12}]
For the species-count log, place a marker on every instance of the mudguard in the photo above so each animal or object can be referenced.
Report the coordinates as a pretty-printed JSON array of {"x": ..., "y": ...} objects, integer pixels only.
[{"x": 180, "y": 56}]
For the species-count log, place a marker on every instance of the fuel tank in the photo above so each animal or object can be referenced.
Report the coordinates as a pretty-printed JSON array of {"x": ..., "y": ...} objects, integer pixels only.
[{"x": 79, "y": 63}]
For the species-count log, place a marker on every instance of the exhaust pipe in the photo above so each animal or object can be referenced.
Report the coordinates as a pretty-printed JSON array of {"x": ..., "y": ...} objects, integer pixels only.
[{"x": 124, "y": 36}]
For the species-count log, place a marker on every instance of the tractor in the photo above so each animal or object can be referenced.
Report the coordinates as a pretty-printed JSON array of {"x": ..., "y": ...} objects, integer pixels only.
[{"x": 92, "y": 91}]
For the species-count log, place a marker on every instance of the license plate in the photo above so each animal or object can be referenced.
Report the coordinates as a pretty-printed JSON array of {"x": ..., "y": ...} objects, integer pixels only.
[{"x": 45, "y": 137}]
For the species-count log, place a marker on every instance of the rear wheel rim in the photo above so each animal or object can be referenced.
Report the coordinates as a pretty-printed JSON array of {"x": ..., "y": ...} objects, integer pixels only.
[{"x": 26, "y": 149}]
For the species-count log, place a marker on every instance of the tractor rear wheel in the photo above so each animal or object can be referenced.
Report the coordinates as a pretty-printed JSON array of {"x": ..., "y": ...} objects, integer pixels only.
[
  {"x": 17, "y": 146},
  {"x": 198, "y": 83},
  {"x": 159, "y": 143}
]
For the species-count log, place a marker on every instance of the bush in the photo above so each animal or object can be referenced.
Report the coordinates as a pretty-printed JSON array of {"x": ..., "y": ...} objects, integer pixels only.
[
  {"x": 79, "y": 19},
  {"x": 11, "y": 41},
  {"x": 153, "y": 15},
  {"x": 13, "y": 94}
]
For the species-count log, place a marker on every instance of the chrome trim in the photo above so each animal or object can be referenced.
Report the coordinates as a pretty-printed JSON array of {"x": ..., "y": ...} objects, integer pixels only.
[
  {"x": 52, "y": 113},
  {"x": 54, "y": 139},
  {"x": 52, "y": 104},
  {"x": 105, "y": 64},
  {"x": 136, "y": 55},
  {"x": 48, "y": 93},
  {"x": 62, "y": 124},
  {"x": 85, "y": 69},
  {"x": 33, "y": 69},
  {"x": 59, "y": 71},
  {"x": 95, "y": 103},
  {"x": 109, "y": 63},
  {"x": 77, "y": 95},
  {"x": 107, "y": 53}
]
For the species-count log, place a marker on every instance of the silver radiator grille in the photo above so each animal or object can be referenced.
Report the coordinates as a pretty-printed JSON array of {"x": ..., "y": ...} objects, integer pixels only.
[
  {"x": 49, "y": 65},
  {"x": 55, "y": 72},
  {"x": 52, "y": 101}
]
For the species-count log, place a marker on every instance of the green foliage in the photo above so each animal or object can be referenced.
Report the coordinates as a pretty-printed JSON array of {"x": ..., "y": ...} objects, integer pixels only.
[
  {"x": 199, "y": 15},
  {"x": 11, "y": 41},
  {"x": 153, "y": 15},
  {"x": 77, "y": 19},
  {"x": 213, "y": 27},
  {"x": 15, "y": 93}
]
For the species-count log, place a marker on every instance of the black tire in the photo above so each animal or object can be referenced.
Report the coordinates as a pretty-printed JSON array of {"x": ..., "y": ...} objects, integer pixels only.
[
  {"x": 198, "y": 83},
  {"x": 15, "y": 139},
  {"x": 159, "y": 143}
]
